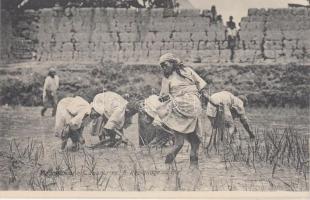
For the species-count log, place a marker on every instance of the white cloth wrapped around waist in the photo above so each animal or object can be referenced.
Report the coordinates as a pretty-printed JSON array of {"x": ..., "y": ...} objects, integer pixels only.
[
  {"x": 157, "y": 110},
  {"x": 188, "y": 104},
  {"x": 151, "y": 107}
]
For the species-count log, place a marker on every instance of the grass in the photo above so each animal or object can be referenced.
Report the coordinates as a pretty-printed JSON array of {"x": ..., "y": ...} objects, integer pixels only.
[{"x": 265, "y": 85}]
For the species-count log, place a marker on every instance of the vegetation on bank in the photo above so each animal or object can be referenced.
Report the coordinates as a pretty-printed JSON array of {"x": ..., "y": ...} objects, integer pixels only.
[{"x": 265, "y": 85}]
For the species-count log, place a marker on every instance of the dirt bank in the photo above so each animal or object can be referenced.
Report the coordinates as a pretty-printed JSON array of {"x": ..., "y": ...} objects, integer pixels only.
[{"x": 265, "y": 85}]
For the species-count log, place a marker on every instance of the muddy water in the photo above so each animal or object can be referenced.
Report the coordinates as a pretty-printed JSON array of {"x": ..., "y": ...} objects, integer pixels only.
[
  {"x": 23, "y": 123},
  {"x": 281, "y": 118}
]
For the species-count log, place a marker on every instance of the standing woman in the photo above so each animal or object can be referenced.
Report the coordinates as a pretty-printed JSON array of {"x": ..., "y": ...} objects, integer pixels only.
[{"x": 181, "y": 106}]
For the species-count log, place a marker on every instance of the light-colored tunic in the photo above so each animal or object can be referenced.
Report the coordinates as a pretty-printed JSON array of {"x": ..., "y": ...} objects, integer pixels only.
[
  {"x": 113, "y": 107},
  {"x": 71, "y": 111},
  {"x": 50, "y": 85},
  {"x": 229, "y": 101},
  {"x": 182, "y": 111}
]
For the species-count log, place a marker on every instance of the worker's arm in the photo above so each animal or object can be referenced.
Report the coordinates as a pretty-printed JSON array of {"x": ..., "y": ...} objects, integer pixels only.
[
  {"x": 244, "y": 122},
  {"x": 207, "y": 97},
  {"x": 44, "y": 88},
  {"x": 164, "y": 92},
  {"x": 202, "y": 88},
  {"x": 200, "y": 83},
  {"x": 76, "y": 122}
]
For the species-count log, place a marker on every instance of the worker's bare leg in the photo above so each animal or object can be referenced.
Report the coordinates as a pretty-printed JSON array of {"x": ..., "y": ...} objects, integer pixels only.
[{"x": 179, "y": 141}]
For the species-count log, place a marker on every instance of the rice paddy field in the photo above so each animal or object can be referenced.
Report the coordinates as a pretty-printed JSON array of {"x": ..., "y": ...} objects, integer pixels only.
[{"x": 277, "y": 160}]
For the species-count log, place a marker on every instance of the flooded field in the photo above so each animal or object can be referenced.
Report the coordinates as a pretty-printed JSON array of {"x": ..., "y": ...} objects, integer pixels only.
[{"x": 30, "y": 159}]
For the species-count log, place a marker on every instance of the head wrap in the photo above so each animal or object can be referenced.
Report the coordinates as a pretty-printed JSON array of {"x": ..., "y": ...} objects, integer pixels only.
[
  {"x": 169, "y": 57},
  {"x": 98, "y": 105},
  {"x": 52, "y": 69}
]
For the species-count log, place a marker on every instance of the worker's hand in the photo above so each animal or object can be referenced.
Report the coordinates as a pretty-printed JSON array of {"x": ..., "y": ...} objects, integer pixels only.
[
  {"x": 64, "y": 133},
  {"x": 204, "y": 96},
  {"x": 164, "y": 98},
  {"x": 108, "y": 132},
  {"x": 204, "y": 100},
  {"x": 252, "y": 136}
]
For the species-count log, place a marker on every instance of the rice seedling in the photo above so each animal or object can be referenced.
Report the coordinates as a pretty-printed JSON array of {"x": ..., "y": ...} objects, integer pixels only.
[
  {"x": 40, "y": 182},
  {"x": 12, "y": 177},
  {"x": 70, "y": 162},
  {"x": 90, "y": 162},
  {"x": 57, "y": 163},
  {"x": 277, "y": 159},
  {"x": 273, "y": 147},
  {"x": 99, "y": 179}
]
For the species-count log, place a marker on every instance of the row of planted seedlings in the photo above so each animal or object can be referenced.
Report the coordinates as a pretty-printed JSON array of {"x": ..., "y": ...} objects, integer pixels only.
[
  {"x": 21, "y": 158},
  {"x": 37, "y": 169},
  {"x": 86, "y": 170},
  {"x": 28, "y": 167},
  {"x": 275, "y": 147}
]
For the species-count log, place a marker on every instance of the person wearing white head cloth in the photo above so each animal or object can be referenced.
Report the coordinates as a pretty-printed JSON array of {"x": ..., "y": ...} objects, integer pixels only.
[
  {"x": 51, "y": 85},
  {"x": 116, "y": 111},
  {"x": 71, "y": 117},
  {"x": 180, "y": 94},
  {"x": 233, "y": 107}
]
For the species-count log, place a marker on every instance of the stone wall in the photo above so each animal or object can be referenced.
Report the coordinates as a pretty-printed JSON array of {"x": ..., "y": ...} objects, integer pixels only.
[
  {"x": 278, "y": 35},
  {"x": 5, "y": 37},
  {"x": 130, "y": 35},
  {"x": 119, "y": 34}
]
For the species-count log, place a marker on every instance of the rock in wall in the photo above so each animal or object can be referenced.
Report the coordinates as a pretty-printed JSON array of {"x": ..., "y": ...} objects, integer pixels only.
[{"x": 117, "y": 34}]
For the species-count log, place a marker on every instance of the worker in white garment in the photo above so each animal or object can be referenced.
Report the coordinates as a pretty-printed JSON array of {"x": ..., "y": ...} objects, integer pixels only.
[
  {"x": 233, "y": 107},
  {"x": 116, "y": 111},
  {"x": 51, "y": 85},
  {"x": 72, "y": 115}
]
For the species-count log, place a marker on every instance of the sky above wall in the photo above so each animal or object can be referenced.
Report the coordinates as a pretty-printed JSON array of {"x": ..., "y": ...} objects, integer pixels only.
[{"x": 239, "y": 8}]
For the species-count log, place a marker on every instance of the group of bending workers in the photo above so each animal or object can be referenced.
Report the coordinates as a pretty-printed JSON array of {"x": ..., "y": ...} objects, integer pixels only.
[{"x": 177, "y": 109}]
